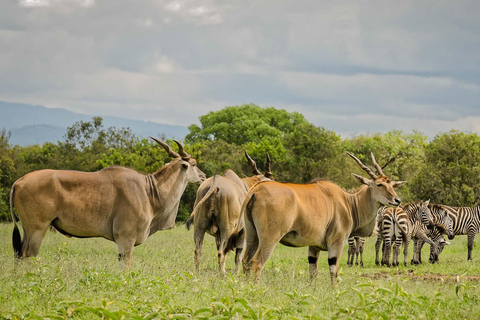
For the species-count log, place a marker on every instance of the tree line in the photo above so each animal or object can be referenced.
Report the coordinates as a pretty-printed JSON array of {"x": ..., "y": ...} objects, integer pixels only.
[{"x": 444, "y": 169}]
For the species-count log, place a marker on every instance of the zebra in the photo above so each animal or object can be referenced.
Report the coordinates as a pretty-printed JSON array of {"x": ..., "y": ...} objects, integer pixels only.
[
  {"x": 418, "y": 216},
  {"x": 355, "y": 248},
  {"x": 436, "y": 235},
  {"x": 393, "y": 225},
  {"x": 465, "y": 221},
  {"x": 443, "y": 224}
]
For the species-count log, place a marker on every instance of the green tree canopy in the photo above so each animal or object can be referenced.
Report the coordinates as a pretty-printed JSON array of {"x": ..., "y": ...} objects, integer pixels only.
[
  {"x": 451, "y": 171},
  {"x": 246, "y": 123}
]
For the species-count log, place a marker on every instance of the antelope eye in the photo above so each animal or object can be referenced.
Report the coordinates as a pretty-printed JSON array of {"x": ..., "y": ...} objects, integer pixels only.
[{"x": 379, "y": 185}]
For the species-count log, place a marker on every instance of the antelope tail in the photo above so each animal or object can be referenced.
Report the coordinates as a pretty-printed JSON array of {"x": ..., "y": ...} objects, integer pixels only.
[
  {"x": 240, "y": 228},
  {"x": 16, "y": 238},
  {"x": 211, "y": 191}
]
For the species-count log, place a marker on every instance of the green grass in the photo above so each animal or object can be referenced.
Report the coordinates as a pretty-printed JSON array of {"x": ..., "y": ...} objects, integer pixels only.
[{"x": 81, "y": 279}]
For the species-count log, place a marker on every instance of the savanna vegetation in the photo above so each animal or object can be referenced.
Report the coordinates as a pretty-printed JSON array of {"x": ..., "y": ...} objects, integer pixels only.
[
  {"x": 444, "y": 168},
  {"x": 81, "y": 279},
  {"x": 78, "y": 278}
]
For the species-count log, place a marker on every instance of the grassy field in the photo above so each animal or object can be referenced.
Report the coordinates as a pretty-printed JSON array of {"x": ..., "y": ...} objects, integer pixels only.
[{"x": 81, "y": 279}]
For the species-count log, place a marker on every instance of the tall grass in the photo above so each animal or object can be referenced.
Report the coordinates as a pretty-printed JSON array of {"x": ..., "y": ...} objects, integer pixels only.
[{"x": 81, "y": 279}]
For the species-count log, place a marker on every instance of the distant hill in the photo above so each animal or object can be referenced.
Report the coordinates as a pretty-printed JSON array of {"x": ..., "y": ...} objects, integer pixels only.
[{"x": 37, "y": 124}]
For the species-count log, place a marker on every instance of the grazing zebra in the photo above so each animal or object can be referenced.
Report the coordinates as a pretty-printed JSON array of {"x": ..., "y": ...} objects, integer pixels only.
[
  {"x": 355, "y": 248},
  {"x": 436, "y": 235},
  {"x": 393, "y": 225},
  {"x": 443, "y": 224},
  {"x": 465, "y": 221}
]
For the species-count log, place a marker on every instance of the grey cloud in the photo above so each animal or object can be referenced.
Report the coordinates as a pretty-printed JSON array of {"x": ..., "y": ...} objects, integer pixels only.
[{"x": 176, "y": 60}]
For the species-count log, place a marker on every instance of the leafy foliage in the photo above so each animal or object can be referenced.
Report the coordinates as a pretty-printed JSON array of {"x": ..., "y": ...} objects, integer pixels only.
[
  {"x": 445, "y": 170},
  {"x": 451, "y": 170}
]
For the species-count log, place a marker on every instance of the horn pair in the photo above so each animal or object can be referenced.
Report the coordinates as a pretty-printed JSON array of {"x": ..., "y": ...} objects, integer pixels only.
[
  {"x": 255, "y": 171},
  {"x": 181, "y": 151},
  {"x": 367, "y": 169}
]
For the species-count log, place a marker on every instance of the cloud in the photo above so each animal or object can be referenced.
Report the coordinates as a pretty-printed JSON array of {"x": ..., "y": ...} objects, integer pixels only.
[
  {"x": 353, "y": 66},
  {"x": 48, "y": 3}
]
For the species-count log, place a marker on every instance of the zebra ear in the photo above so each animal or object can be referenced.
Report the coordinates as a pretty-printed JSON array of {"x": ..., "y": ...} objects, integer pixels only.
[
  {"x": 447, "y": 243},
  {"x": 427, "y": 202}
]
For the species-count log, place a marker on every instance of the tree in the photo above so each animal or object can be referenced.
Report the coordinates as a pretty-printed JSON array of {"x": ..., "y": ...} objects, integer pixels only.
[
  {"x": 312, "y": 152},
  {"x": 451, "y": 171},
  {"x": 7, "y": 171},
  {"x": 246, "y": 123}
]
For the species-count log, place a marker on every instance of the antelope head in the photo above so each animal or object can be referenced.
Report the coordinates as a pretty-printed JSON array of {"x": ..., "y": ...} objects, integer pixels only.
[
  {"x": 381, "y": 185},
  {"x": 187, "y": 163}
]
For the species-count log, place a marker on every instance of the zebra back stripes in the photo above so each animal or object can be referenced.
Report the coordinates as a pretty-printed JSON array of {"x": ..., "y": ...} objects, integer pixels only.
[
  {"x": 393, "y": 225},
  {"x": 465, "y": 221}
]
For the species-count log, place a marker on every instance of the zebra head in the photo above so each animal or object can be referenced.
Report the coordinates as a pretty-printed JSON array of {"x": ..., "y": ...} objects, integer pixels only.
[
  {"x": 437, "y": 248},
  {"x": 444, "y": 222},
  {"x": 424, "y": 215}
]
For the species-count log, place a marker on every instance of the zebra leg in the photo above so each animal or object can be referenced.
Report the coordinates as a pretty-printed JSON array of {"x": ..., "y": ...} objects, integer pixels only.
[
  {"x": 360, "y": 250},
  {"x": 396, "y": 250},
  {"x": 405, "y": 249},
  {"x": 420, "y": 246},
  {"x": 415, "y": 253},
  {"x": 377, "y": 249},
  {"x": 471, "y": 239},
  {"x": 357, "y": 249},
  {"x": 387, "y": 246},
  {"x": 351, "y": 250}
]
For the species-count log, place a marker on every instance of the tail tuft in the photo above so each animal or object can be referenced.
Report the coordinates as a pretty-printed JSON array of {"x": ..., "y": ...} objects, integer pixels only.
[
  {"x": 16, "y": 238},
  {"x": 190, "y": 221},
  {"x": 17, "y": 242}
]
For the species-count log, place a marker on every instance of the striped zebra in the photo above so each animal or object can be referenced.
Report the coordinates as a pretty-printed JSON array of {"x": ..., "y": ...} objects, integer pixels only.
[
  {"x": 355, "y": 248},
  {"x": 443, "y": 225},
  {"x": 436, "y": 235},
  {"x": 465, "y": 221},
  {"x": 418, "y": 216},
  {"x": 393, "y": 225}
]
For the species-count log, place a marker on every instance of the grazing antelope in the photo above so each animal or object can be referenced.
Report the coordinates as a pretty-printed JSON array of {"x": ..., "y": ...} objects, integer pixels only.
[
  {"x": 116, "y": 203},
  {"x": 217, "y": 208},
  {"x": 320, "y": 215},
  {"x": 355, "y": 248}
]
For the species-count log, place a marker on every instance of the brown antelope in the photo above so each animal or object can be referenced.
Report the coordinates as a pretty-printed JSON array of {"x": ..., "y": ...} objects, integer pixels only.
[
  {"x": 320, "y": 215},
  {"x": 217, "y": 208},
  {"x": 116, "y": 203}
]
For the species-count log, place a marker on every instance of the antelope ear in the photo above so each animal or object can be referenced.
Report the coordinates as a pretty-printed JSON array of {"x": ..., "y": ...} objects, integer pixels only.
[
  {"x": 361, "y": 179},
  {"x": 398, "y": 183}
]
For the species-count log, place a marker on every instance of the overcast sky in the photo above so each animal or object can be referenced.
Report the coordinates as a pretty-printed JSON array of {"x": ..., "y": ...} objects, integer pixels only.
[{"x": 349, "y": 66}]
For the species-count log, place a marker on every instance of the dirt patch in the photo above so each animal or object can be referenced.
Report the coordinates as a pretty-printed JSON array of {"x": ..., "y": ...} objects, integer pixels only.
[{"x": 410, "y": 274}]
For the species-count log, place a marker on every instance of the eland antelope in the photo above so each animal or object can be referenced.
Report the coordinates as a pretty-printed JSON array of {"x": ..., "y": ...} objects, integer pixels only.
[
  {"x": 217, "y": 209},
  {"x": 320, "y": 215},
  {"x": 116, "y": 203}
]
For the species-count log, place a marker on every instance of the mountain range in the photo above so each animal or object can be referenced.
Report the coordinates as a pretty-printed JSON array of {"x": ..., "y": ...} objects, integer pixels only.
[{"x": 35, "y": 124}]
